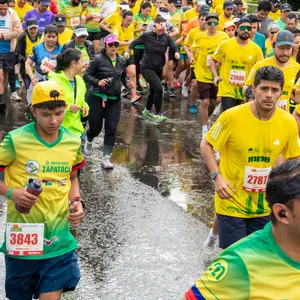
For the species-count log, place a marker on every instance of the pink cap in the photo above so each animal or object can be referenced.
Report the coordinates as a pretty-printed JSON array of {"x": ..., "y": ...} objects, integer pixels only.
[{"x": 111, "y": 38}]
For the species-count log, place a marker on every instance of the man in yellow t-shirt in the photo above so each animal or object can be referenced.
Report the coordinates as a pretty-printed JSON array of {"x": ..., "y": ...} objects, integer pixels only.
[
  {"x": 205, "y": 45},
  {"x": 64, "y": 34},
  {"x": 237, "y": 56},
  {"x": 227, "y": 16},
  {"x": 72, "y": 10},
  {"x": 21, "y": 8},
  {"x": 250, "y": 138},
  {"x": 275, "y": 11},
  {"x": 282, "y": 52},
  {"x": 188, "y": 42}
]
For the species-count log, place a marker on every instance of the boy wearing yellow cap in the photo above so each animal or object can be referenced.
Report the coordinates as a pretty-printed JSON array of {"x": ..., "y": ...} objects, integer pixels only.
[{"x": 38, "y": 245}]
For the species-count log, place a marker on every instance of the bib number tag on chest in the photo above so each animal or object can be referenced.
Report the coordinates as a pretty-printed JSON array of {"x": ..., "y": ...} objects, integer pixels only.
[
  {"x": 237, "y": 77},
  {"x": 24, "y": 239},
  {"x": 96, "y": 17},
  {"x": 255, "y": 179},
  {"x": 75, "y": 21},
  {"x": 48, "y": 65},
  {"x": 282, "y": 104}
]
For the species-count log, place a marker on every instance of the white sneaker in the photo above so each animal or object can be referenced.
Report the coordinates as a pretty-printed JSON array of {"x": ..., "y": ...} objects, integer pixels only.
[
  {"x": 106, "y": 163},
  {"x": 88, "y": 148},
  {"x": 210, "y": 244},
  {"x": 184, "y": 91},
  {"x": 15, "y": 96}
]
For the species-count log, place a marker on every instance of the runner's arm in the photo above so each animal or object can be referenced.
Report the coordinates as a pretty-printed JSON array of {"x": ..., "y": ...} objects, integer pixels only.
[{"x": 103, "y": 25}]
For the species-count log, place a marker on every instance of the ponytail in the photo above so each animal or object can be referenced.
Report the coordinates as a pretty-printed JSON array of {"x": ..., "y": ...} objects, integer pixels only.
[{"x": 65, "y": 59}]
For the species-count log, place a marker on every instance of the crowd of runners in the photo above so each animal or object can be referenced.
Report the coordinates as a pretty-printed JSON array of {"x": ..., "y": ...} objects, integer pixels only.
[{"x": 76, "y": 59}]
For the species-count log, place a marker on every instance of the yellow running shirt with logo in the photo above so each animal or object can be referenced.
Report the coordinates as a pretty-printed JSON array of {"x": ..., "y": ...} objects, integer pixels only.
[
  {"x": 249, "y": 148},
  {"x": 205, "y": 46},
  {"x": 289, "y": 72},
  {"x": 237, "y": 62},
  {"x": 66, "y": 36},
  {"x": 72, "y": 13},
  {"x": 124, "y": 35},
  {"x": 25, "y": 155},
  {"x": 254, "y": 268},
  {"x": 114, "y": 20}
]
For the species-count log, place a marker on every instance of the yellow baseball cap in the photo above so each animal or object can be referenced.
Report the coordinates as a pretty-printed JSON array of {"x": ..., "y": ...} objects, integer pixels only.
[{"x": 46, "y": 91}]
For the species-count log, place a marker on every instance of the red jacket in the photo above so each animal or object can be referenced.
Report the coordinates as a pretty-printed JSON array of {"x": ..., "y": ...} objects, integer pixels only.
[{"x": 53, "y": 7}]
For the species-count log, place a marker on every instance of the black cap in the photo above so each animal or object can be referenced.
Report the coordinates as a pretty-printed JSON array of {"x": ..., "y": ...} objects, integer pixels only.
[
  {"x": 178, "y": 3},
  {"x": 285, "y": 7},
  {"x": 212, "y": 16},
  {"x": 238, "y": 2},
  {"x": 204, "y": 8},
  {"x": 253, "y": 18},
  {"x": 60, "y": 20},
  {"x": 228, "y": 4},
  {"x": 243, "y": 20},
  {"x": 32, "y": 22}
]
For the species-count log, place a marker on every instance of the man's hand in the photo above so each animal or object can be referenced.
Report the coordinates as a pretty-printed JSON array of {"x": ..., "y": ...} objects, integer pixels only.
[
  {"x": 223, "y": 188},
  {"x": 76, "y": 214},
  {"x": 217, "y": 80},
  {"x": 23, "y": 198}
]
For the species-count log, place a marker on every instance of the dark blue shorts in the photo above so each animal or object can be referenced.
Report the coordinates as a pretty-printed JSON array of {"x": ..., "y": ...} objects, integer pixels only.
[
  {"x": 30, "y": 278},
  {"x": 231, "y": 229}
]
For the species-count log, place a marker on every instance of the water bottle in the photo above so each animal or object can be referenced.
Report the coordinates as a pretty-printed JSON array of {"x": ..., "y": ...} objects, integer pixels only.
[{"x": 34, "y": 188}]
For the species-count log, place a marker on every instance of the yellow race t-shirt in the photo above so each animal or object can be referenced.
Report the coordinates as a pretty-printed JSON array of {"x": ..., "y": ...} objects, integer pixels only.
[
  {"x": 124, "y": 35},
  {"x": 72, "y": 13},
  {"x": 275, "y": 16},
  {"x": 237, "y": 62},
  {"x": 222, "y": 21},
  {"x": 66, "y": 36},
  {"x": 289, "y": 73},
  {"x": 26, "y": 156},
  {"x": 249, "y": 148},
  {"x": 176, "y": 18},
  {"x": 190, "y": 40},
  {"x": 31, "y": 43},
  {"x": 114, "y": 20},
  {"x": 205, "y": 46},
  {"x": 21, "y": 11},
  {"x": 190, "y": 14}
]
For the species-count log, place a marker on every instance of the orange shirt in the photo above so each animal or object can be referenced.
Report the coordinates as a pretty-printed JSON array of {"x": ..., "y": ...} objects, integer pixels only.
[{"x": 192, "y": 23}]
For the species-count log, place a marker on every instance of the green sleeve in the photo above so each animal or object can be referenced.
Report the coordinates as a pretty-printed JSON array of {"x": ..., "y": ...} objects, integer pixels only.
[
  {"x": 7, "y": 152},
  {"x": 226, "y": 278}
]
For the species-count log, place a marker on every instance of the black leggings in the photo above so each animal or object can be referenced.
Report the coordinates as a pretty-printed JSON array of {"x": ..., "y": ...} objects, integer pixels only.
[
  {"x": 111, "y": 113},
  {"x": 138, "y": 55},
  {"x": 155, "y": 95}
]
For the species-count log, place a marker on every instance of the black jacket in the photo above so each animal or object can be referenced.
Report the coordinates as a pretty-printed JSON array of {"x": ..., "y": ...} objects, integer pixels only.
[
  {"x": 21, "y": 50},
  {"x": 155, "y": 49},
  {"x": 100, "y": 68},
  {"x": 88, "y": 44}
]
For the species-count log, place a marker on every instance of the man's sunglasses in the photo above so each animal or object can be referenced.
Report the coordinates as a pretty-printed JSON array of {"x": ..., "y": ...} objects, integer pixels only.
[
  {"x": 244, "y": 28},
  {"x": 273, "y": 32},
  {"x": 211, "y": 23},
  {"x": 116, "y": 44}
]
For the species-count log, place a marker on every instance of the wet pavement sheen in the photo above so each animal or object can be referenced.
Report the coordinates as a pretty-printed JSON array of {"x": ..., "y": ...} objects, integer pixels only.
[{"x": 146, "y": 220}]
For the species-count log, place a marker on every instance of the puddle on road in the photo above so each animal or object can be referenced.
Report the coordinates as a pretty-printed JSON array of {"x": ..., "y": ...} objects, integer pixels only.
[{"x": 167, "y": 156}]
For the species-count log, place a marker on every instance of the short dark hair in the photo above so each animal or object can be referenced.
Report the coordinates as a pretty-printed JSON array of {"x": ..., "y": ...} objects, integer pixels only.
[
  {"x": 146, "y": 5},
  {"x": 202, "y": 14},
  {"x": 171, "y": 1},
  {"x": 280, "y": 176},
  {"x": 126, "y": 13},
  {"x": 50, "y": 28},
  {"x": 264, "y": 5},
  {"x": 51, "y": 105},
  {"x": 292, "y": 16},
  {"x": 4, "y": 2},
  {"x": 159, "y": 19},
  {"x": 269, "y": 73}
]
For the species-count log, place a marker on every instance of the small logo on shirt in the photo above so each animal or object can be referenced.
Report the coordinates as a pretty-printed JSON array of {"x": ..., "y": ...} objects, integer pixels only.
[
  {"x": 32, "y": 167},
  {"x": 217, "y": 271},
  {"x": 276, "y": 142}
]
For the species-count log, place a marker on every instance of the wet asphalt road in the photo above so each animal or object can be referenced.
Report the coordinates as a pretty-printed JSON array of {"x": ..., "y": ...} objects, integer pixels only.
[{"x": 146, "y": 220}]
